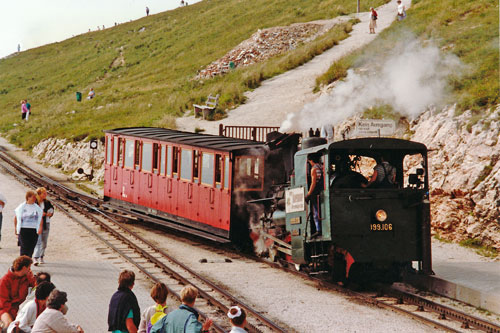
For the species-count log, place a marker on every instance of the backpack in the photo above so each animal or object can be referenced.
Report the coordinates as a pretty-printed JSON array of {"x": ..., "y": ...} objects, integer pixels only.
[{"x": 157, "y": 316}]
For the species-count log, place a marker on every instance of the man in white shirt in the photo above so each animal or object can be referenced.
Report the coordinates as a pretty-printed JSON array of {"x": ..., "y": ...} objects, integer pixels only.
[
  {"x": 53, "y": 319},
  {"x": 26, "y": 317}
]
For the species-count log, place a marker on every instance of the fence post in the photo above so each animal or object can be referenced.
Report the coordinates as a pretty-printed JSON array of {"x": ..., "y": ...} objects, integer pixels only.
[{"x": 221, "y": 130}]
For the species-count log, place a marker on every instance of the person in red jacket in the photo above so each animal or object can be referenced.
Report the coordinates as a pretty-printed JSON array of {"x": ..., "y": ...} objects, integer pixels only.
[{"x": 14, "y": 287}]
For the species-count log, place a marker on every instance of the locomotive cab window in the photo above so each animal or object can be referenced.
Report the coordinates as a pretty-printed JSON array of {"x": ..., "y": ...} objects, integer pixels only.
[
  {"x": 249, "y": 173},
  {"x": 414, "y": 171}
]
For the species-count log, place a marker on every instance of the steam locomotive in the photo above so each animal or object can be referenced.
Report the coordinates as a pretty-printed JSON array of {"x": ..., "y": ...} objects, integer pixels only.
[{"x": 253, "y": 194}]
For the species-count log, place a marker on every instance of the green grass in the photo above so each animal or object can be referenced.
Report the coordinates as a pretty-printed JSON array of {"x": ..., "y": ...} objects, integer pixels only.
[
  {"x": 467, "y": 29},
  {"x": 146, "y": 78},
  {"x": 483, "y": 250}
]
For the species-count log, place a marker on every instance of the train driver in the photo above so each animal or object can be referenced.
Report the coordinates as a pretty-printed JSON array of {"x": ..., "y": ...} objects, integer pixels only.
[{"x": 315, "y": 189}]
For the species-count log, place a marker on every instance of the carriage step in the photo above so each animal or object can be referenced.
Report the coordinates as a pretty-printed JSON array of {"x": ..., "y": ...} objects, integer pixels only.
[{"x": 319, "y": 272}]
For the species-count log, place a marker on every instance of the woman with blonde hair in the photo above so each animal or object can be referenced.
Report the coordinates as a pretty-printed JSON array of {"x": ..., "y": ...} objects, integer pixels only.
[
  {"x": 48, "y": 212},
  {"x": 28, "y": 223}
]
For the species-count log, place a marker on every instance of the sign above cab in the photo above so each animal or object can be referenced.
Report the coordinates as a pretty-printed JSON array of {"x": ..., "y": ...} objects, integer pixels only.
[{"x": 375, "y": 127}]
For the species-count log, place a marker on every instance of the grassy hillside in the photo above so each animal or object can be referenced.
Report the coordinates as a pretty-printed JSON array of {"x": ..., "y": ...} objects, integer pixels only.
[
  {"x": 142, "y": 71},
  {"x": 468, "y": 29}
]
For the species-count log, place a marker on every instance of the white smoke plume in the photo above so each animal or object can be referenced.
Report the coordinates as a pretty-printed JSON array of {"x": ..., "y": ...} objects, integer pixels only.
[{"x": 411, "y": 79}]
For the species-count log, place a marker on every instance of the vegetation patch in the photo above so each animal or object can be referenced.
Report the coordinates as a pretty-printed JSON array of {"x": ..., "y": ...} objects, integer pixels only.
[
  {"x": 467, "y": 29},
  {"x": 157, "y": 68},
  {"x": 483, "y": 250}
]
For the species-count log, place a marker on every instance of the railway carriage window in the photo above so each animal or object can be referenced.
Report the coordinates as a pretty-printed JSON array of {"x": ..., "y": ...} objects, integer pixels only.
[
  {"x": 137, "y": 160},
  {"x": 120, "y": 151},
  {"x": 175, "y": 161},
  {"x": 249, "y": 173},
  {"x": 169, "y": 160},
  {"x": 186, "y": 164},
  {"x": 109, "y": 150},
  {"x": 226, "y": 172},
  {"x": 115, "y": 151},
  {"x": 196, "y": 164},
  {"x": 147, "y": 150},
  {"x": 207, "y": 169},
  {"x": 156, "y": 151},
  {"x": 218, "y": 170},
  {"x": 162, "y": 160},
  {"x": 129, "y": 153}
]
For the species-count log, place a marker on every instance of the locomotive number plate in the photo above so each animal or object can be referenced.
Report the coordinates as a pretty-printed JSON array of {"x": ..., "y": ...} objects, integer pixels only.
[{"x": 381, "y": 227}]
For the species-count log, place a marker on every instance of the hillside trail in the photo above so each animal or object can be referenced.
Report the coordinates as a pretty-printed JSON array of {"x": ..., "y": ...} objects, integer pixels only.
[{"x": 269, "y": 104}]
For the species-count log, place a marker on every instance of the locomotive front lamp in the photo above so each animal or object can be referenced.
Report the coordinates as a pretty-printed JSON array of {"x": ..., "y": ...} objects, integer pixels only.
[{"x": 381, "y": 215}]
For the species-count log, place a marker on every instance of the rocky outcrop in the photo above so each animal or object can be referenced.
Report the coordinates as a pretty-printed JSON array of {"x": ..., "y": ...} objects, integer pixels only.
[
  {"x": 69, "y": 156},
  {"x": 464, "y": 166},
  {"x": 263, "y": 45}
]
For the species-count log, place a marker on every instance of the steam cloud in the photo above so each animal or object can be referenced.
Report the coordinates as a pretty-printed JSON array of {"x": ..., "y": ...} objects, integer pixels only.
[{"x": 410, "y": 80}]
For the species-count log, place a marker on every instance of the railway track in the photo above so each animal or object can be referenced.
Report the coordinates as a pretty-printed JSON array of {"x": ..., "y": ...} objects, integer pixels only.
[
  {"x": 213, "y": 301},
  {"x": 159, "y": 266}
]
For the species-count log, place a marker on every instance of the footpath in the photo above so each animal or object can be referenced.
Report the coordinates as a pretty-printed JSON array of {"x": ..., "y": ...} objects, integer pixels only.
[{"x": 269, "y": 104}]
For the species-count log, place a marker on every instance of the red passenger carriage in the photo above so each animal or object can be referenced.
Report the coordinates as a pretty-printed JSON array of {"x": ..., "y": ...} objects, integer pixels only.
[{"x": 197, "y": 180}]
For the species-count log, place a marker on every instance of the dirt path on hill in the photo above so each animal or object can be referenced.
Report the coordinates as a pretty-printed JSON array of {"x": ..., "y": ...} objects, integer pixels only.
[{"x": 287, "y": 93}]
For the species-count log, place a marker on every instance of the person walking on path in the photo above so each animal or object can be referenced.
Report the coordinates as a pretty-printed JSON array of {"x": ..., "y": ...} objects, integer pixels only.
[
  {"x": 124, "y": 314},
  {"x": 14, "y": 288},
  {"x": 53, "y": 318},
  {"x": 185, "y": 318},
  {"x": 28, "y": 223},
  {"x": 24, "y": 111},
  {"x": 401, "y": 11},
  {"x": 151, "y": 315},
  {"x": 238, "y": 319},
  {"x": 27, "y": 315},
  {"x": 28, "y": 106},
  {"x": 48, "y": 212},
  {"x": 147, "y": 11},
  {"x": 3, "y": 201},
  {"x": 373, "y": 20}
]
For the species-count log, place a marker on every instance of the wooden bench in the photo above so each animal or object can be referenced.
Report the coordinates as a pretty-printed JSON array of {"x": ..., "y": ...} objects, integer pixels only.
[{"x": 208, "y": 108}]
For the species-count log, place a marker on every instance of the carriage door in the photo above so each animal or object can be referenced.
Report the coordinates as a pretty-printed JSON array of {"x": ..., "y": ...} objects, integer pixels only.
[
  {"x": 223, "y": 191},
  {"x": 116, "y": 168},
  {"x": 206, "y": 194},
  {"x": 108, "y": 167},
  {"x": 185, "y": 183},
  {"x": 128, "y": 178},
  {"x": 146, "y": 175}
]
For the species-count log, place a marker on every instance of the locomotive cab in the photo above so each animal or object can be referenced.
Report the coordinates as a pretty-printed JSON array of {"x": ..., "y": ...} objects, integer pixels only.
[{"x": 365, "y": 229}]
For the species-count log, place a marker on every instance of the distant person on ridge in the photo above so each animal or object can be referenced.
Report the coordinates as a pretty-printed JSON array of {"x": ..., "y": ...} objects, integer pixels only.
[
  {"x": 401, "y": 11},
  {"x": 373, "y": 20},
  {"x": 147, "y": 11}
]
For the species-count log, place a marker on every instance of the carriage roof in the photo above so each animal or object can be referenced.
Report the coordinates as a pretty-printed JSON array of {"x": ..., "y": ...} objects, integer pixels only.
[{"x": 215, "y": 142}]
